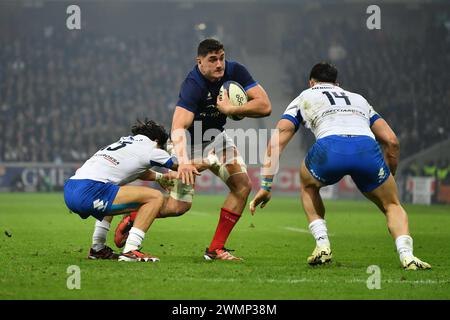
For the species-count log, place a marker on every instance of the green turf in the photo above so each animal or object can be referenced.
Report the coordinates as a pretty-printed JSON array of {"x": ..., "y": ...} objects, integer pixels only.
[{"x": 45, "y": 240}]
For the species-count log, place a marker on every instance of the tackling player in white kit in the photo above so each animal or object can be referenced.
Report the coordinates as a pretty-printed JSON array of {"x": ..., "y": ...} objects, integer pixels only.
[
  {"x": 98, "y": 188},
  {"x": 345, "y": 127}
]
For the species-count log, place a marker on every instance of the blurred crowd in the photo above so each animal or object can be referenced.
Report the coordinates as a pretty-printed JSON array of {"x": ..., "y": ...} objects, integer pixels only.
[
  {"x": 62, "y": 96},
  {"x": 402, "y": 74},
  {"x": 439, "y": 169}
]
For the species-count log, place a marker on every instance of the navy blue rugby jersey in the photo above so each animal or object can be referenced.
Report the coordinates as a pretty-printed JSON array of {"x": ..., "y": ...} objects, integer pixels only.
[{"x": 199, "y": 95}]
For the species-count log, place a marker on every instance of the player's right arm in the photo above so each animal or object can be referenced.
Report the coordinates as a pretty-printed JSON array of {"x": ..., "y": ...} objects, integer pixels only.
[
  {"x": 182, "y": 120},
  {"x": 183, "y": 117},
  {"x": 285, "y": 130},
  {"x": 388, "y": 141}
]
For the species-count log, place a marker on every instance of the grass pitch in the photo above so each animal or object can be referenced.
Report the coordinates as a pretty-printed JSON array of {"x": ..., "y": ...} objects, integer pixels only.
[{"x": 39, "y": 240}]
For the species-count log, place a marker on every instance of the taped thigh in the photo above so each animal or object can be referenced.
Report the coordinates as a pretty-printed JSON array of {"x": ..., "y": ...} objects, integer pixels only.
[
  {"x": 224, "y": 174},
  {"x": 182, "y": 192}
]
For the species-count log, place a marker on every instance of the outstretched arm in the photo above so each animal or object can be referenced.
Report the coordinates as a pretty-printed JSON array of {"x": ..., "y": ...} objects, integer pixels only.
[
  {"x": 182, "y": 119},
  {"x": 285, "y": 132},
  {"x": 150, "y": 175},
  {"x": 388, "y": 141}
]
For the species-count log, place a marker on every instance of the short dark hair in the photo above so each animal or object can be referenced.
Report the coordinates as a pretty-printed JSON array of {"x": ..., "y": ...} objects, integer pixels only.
[
  {"x": 152, "y": 130},
  {"x": 209, "y": 45},
  {"x": 324, "y": 72}
]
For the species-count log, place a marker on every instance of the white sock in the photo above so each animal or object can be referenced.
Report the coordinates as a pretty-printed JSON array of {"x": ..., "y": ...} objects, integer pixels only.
[
  {"x": 404, "y": 245},
  {"x": 135, "y": 238},
  {"x": 318, "y": 229},
  {"x": 99, "y": 236}
]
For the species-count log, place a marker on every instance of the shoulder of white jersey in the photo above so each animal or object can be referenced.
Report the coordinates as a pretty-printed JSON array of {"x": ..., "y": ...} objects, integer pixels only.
[
  {"x": 296, "y": 102},
  {"x": 139, "y": 138},
  {"x": 364, "y": 100},
  {"x": 161, "y": 158},
  {"x": 355, "y": 95},
  {"x": 373, "y": 114}
]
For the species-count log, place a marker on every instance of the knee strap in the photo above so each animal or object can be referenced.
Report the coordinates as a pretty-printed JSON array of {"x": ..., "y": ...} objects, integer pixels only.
[{"x": 224, "y": 175}]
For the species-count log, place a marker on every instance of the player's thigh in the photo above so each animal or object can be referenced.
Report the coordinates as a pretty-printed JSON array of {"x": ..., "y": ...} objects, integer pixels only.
[
  {"x": 369, "y": 170},
  {"x": 182, "y": 193},
  {"x": 384, "y": 195},
  {"x": 322, "y": 166},
  {"x": 232, "y": 161},
  {"x": 233, "y": 172},
  {"x": 307, "y": 179},
  {"x": 130, "y": 198}
]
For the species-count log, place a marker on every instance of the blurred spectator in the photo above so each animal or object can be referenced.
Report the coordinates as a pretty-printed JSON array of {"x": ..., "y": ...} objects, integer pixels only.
[
  {"x": 443, "y": 170},
  {"x": 430, "y": 169},
  {"x": 413, "y": 170},
  {"x": 401, "y": 72},
  {"x": 65, "y": 95}
]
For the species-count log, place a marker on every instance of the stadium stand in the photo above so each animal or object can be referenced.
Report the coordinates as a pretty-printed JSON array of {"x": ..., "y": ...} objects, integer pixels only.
[
  {"x": 403, "y": 81},
  {"x": 63, "y": 96}
]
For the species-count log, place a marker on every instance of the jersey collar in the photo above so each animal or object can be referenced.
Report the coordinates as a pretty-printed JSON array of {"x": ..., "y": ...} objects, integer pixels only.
[{"x": 324, "y": 84}]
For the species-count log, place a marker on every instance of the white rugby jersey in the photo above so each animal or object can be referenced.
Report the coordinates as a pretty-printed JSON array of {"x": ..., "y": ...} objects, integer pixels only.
[
  {"x": 124, "y": 161},
  {"x": 327, "y": 110}
]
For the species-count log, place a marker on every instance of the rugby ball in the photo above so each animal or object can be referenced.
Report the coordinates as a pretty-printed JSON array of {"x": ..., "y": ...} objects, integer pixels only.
[{"x": 237, "y": 95}]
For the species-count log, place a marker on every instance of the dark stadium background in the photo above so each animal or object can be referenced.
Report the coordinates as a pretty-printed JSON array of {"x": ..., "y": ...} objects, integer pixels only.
[{"x": 64, "y": 93}]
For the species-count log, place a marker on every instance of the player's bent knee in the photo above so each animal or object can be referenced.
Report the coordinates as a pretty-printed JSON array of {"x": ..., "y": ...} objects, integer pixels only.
[
  {"x": 155, "y": 197},
  {"x": 174, "y": 208},
  {"x": 241, "y": 188},
  {"x": 182, "y": 207},
  {"x": 309, "y": 187}
]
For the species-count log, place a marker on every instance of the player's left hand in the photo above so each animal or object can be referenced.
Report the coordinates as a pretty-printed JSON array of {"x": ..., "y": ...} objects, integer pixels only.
[
  {"x": 224, "y": 105},
  {"x": 262, "y": 197}
]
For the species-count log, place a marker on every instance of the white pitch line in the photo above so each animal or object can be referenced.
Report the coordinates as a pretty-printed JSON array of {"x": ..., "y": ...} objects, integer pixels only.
[
  {"x": 305, "y": 280},
  {"x": 296, "y": 229},
  {"x": 301, "y": 230}
]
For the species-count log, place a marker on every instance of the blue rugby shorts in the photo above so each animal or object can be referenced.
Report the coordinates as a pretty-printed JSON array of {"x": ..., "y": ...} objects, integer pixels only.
[
  {"x": 89, "y": 197},
  {"x": 333, "y": 157}
]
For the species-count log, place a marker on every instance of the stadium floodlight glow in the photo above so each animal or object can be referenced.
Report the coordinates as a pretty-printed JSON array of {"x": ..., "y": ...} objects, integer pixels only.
[{"x": 200, "y": 26}]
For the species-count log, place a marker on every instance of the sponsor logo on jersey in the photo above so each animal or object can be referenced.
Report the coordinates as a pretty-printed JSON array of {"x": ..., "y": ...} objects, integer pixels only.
[{"x": 107, "y": 157}]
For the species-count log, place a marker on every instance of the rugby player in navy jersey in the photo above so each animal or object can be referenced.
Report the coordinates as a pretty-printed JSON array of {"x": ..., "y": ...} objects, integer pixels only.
[
  {"x": 347, "y": 129},
  {"x": 200, "y": 111}
]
